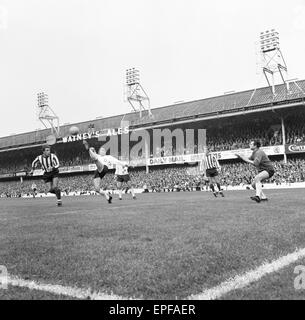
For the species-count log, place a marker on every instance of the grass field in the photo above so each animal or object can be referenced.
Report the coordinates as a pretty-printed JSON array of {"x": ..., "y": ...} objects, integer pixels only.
[{"x": 160, "y": 246}]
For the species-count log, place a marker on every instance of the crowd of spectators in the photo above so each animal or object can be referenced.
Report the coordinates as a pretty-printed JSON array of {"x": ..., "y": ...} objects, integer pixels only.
[
  {"x": 231, "y": 138},
  {"x": 228, "y": 137},
  {"x": 241, "y": 173},
  {"x": 163, "y": 179}
]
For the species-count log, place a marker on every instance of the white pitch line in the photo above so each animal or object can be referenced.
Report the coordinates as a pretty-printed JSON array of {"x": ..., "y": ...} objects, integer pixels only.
[
  {"x": 62, "y": 290},
  {"x": 235, "y": 283},
  {"x": 241, "y": 281}
]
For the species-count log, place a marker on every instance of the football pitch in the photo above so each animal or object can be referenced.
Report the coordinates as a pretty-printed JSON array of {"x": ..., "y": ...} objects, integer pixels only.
[{"x": 179, "y": 245}]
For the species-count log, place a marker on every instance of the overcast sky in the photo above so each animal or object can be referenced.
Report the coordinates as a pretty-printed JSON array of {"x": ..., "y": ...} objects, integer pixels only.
[{"x": 78, "y": 50}]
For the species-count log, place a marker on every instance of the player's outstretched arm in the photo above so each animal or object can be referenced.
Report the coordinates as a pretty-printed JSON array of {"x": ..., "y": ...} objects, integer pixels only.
[
  {"x": 92, "y": 152},
  {"x": 34, "y": 165},
  {"x": 86, "y": 144},
  {"x": 116, "y": 161},
  {"x": 55, "y": 162},
  {"x": 244, "y": 158},
  {"x": 31, "y": 171}
]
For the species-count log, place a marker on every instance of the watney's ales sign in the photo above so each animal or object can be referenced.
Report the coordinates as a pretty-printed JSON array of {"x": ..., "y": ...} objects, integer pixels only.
[
  {"x": 295, "y": 148},
  {"x": 96, "y": 134}
]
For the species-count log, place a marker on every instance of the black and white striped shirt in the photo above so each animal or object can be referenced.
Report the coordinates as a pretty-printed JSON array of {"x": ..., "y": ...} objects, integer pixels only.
[
  {"x": 210, "y": 162},
  {"x": 47, "y": 163}
]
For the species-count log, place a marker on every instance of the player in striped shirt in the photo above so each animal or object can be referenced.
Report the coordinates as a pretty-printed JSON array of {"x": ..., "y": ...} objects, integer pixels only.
[
  {"x": 49, "y": 164},
  {"x": 265, "y": 169},
  {"x": 211, "y": 165}
]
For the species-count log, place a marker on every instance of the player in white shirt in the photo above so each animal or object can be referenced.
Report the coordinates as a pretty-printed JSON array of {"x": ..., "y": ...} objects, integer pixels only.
[
  {"x": 103, "y": 162},
  {"x": 121, "y": 172}
]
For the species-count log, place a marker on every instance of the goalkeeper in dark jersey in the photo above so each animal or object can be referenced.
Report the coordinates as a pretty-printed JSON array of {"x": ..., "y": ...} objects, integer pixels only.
[{"x": 265, "y": 169}]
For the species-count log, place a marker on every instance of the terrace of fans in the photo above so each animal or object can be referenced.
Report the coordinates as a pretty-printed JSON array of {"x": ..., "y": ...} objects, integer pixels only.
[{"x": 231, "y": 122}]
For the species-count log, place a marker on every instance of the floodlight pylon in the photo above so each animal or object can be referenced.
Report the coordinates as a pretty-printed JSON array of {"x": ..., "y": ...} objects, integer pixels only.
[
  {"x": 135, "y": 93},
  {"x": 272, "y": 59},
  {"x": 46, "y": 115}
]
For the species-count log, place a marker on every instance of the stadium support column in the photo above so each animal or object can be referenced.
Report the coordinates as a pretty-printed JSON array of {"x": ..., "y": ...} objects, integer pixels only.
[
  {"x": 147, "y": 154},
  {"x": 202, "y": 141},
  {"x": 284, "y": 139}
]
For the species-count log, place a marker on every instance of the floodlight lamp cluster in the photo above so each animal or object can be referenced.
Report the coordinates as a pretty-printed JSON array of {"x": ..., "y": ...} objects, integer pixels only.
[
  {"x": 269, "y": 40},
  {"x": 132, "y": 76},
  {"x": 42, "y": 99}
]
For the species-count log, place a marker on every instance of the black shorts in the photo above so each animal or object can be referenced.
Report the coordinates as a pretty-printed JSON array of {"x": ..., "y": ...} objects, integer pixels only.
[
  {"x": 101, "y": 174},
  {"x": 123, "y": 178},
  {"x": 211, "y": 172},
  {"x": 270, "y": 172},
  {"x": 49, "y": 176}
]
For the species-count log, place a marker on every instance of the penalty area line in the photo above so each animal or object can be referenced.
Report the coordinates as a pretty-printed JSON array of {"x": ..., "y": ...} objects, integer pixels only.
[
  {"x": 243, "y": 280},
  {"x": 72, "y": 292}
]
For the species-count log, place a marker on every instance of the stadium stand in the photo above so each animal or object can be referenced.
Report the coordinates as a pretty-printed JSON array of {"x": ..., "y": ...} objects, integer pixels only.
[
  {"x": 222, "y": 138},
  {"x": 231, "y": 121},
  {"x": 200, "y": 109}
]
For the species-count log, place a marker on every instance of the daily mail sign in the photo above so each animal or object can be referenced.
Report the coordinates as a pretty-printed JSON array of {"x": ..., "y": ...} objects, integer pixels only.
[
  {"x": 221, "y": 155},
  {"x": 175, "y": 159}
]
